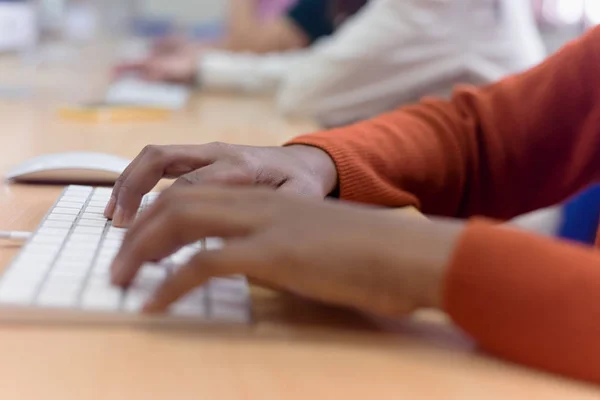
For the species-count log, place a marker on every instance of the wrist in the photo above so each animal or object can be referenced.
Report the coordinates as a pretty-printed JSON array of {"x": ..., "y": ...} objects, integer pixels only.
[
  {"x": 319, "y": 163},
  {"x": 427, "y": 248}
]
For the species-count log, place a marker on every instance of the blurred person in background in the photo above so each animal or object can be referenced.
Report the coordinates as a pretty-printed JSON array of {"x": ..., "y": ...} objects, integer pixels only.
[
  {"x": 253, "y": 26},
  {"x": 389, "y": 53},
  {"x": 263, "y": 26}
]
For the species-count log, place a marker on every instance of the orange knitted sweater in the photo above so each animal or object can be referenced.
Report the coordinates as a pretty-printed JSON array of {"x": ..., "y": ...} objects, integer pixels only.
[{"x": 524, "y": 143}]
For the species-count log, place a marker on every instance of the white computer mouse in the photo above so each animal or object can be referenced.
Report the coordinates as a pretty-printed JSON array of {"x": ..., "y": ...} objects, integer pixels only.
[{"x": 73, "y": 167}]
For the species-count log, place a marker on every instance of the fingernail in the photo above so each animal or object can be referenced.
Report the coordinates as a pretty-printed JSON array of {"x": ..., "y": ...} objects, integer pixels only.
[
  {"x": 110, "y": 208},
  {"x": 119, "y": 217}
]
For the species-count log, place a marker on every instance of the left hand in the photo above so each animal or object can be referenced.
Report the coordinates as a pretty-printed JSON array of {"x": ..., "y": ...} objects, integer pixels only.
[{"x": 336, "y": 253}]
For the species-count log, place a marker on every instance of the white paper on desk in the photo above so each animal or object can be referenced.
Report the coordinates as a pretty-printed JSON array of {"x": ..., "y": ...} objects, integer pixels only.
[{"x": 134, "y": 91}]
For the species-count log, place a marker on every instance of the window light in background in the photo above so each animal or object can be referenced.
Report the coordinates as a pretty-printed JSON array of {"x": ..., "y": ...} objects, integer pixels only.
[
  {"x": 592, "y": 12},
  {"x": 566, "y": 12}
]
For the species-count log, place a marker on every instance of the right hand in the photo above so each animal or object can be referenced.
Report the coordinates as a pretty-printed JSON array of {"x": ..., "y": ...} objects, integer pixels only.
[{"x": 297, "y": 169}]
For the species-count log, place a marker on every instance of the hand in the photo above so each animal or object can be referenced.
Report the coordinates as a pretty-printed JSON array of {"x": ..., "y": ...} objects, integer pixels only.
[
  {"x": 330, "y": 252},
  {"x": 171, "y": 44},
  {"x": 298, "y": 169},
  {"x": 174, "y": 66}
]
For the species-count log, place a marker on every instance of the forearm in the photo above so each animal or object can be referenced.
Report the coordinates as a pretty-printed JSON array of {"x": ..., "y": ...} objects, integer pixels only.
[
  {"x": 258, "y": 37},
  {"x": 247, "y": 72},
  {"x": 528, "y": 299}
]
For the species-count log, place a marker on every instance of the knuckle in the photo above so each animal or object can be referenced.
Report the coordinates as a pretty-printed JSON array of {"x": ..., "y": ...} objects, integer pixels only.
[
  {"x": 235, "y": 155},
  {"x": 152, "y": 150},
  {"x": 219, "y": 146},
  {"x": 244, "y": 160}
]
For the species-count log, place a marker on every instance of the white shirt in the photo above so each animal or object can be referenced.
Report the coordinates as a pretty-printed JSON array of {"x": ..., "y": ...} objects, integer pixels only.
[{"x": 392, "y": 52}]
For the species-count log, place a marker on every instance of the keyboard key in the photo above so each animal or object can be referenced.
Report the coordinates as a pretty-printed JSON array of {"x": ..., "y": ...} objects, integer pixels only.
[
  {"x": 64, "y": 210},
  {"x": 35, "y": 258},
  {"x": 70, "y": 204},
  {"x": 84, "y": 238},
  {"x": 230, "y": 313},
  {"x": 26, "y": 274},
  {"x": 89, "y": 229},
  {"x": 213, "y": 243},
  {"x": 18, "y": 289},
  {"x": 101, "y": 296},
  {"x": 53, "y": 231},
  {"x": 191, "y": 305},
  {"x": 184, "y": 255},
  {"x": 96, "y": 203},
  {"x": 92, "y": 209},
  {"x": 69, "y": 271},
  {"x": 92, "y": 222},
  {"x": 103, "y": 191},
  {"x": 228, "y": 291},
  {"x": 112, "y": 242},
  {"x": 83, "y": 188},
  {"x": 57, "y": 224},
  {"x": 93, "y": 216},
  {"x": 16, "y": 295},
  {"x": 83, "y": 259},
  {"x": 42, "y": 248},
  {"x": 32, "y": 262},
  {"x": 61, "y": 217},
  {"x": 148, "y": 279},
  {"x": 75, "y": 197},
  {"x": 101, "y": 196},
  {"x": 59, "y": 292},
  {"x": 47, "y": 239}
]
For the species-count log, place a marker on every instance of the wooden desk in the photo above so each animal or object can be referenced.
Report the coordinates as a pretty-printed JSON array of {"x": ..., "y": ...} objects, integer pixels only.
[{"x": 294, "y": 351}]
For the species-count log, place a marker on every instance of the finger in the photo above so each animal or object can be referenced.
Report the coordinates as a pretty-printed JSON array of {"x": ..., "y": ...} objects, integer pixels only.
[
  {"x": 152, "y": 164},
  {"x": 127, "y": 68},
  {"x": 217, "y": 173},
  {"x": 162, "y": 235},
  {"x": 149, "y": 167},
  {"x": 181, "y": 195},
  {"x": 230, "y": 260},
  {"x": 157, "y": 70},
  {"x": 109, "y": 211},
  {"x": 166, "y": 45},
  {"x": 137, "y": 180}
]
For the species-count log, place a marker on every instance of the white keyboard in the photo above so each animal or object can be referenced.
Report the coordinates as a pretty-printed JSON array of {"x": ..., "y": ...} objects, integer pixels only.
[
  {"x": 135, "y": 91},
  {"x": 62, "y": 273}
]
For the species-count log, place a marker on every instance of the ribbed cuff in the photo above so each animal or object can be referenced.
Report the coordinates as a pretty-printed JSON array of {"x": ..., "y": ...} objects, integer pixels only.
[{"x": 358, "y": 179}]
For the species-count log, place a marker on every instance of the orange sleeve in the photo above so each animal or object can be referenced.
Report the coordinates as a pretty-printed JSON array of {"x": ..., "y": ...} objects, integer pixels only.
[
  {"x": 529, "y": 141},
  {"x": 529, "y": 299}
]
